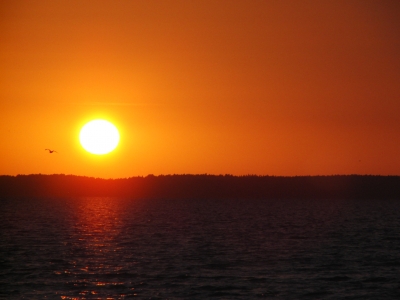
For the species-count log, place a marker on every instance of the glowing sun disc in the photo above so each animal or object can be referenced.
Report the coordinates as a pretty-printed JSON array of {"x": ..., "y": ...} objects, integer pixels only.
[{"x": 99, "y": 137}]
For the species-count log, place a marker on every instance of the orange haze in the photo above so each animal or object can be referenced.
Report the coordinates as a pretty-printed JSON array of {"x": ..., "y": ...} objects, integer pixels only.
[{"x": 239, "y": 87}]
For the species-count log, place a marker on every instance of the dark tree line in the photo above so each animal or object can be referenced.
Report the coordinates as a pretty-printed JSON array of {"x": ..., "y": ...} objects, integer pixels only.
[{"x": 204, "y": 186}]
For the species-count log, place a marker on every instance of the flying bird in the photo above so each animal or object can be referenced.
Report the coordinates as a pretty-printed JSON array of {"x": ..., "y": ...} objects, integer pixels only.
[{"x": 51, "y": 151}]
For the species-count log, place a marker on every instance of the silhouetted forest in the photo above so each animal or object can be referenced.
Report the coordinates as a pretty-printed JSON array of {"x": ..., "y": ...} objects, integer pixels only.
[{"x": 204, "y": 186}]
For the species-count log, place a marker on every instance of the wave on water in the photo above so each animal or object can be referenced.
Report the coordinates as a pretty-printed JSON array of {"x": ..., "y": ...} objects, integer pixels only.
[{"x": 124, "y": 248}]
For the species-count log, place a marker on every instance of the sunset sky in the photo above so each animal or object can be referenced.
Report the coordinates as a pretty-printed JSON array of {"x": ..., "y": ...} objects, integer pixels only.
[{"x": 220, "y": 87}]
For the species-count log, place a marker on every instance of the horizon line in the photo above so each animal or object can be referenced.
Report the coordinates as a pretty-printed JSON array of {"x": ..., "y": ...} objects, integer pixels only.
[{"x": 204, "y": 174}]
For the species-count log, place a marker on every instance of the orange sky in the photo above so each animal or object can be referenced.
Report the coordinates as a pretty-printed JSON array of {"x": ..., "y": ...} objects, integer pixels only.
[{"x": 239, "y": 87}]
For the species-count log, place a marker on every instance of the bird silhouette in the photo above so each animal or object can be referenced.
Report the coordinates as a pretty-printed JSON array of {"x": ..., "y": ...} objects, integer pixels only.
[{"x": 51, "y": 151}]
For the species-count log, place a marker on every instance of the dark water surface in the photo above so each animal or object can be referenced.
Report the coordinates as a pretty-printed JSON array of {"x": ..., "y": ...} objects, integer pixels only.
[{"x": 110, "y": 248}]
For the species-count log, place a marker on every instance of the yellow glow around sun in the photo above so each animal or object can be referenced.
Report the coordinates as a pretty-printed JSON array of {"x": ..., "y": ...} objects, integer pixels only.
[{"x": 99, "y": 137}]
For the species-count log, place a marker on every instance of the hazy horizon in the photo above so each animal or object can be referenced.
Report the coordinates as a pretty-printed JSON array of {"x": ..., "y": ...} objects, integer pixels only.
[{"x": 204, "y": 174}]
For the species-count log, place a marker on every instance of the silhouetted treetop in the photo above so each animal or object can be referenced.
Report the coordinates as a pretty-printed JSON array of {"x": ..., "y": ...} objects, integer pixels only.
[{"x": 204, "y": 186}]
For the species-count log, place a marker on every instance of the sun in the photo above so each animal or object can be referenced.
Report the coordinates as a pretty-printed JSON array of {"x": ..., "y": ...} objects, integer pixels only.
[{"x": 99, "y": 137}]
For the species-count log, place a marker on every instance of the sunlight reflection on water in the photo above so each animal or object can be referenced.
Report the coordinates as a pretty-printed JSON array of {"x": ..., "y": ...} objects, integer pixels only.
[{"x": 114, "y": 248}]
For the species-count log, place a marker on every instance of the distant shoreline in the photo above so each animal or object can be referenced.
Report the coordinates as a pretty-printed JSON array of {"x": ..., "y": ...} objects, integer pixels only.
[{"x": 204, "y": 186}]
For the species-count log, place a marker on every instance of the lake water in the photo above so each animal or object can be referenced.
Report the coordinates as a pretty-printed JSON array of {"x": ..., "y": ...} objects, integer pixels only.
[{"x": 111, "y": 248}]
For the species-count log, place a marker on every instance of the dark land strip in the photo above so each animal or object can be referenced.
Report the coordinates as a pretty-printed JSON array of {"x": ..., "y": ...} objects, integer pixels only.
[{"x": 204, "y": 186}]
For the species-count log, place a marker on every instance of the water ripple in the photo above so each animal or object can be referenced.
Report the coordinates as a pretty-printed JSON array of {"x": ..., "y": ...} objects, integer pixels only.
[{"x": 115, "y": 248}]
